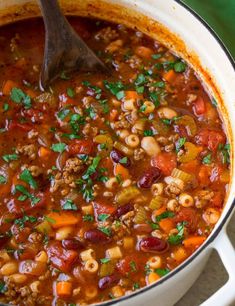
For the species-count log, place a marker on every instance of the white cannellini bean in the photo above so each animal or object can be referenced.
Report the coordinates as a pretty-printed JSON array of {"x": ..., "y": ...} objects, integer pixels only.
[
  {"x": 166, "y": 112},
  {"x": 150, "y": 146}
]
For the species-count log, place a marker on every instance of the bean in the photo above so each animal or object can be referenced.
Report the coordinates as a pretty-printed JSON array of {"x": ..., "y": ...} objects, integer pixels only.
[
  {"x": 71, "y": 244},
  {"x": 150, "y": 176},
  {"x": 116, "y": 156},
  {"x": 153, "y": 245},
  {"x": 96, "y": 236},
  {"x": 122, "y": 210},
  {"x": 108, "y": 281}
]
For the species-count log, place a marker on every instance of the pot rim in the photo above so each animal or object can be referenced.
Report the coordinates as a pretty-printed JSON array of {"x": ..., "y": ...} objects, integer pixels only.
[{"x": 231, "y": 208}]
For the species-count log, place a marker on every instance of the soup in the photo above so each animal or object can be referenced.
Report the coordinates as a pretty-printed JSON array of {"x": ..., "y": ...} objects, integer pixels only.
[{"x": 107, "y": 183}]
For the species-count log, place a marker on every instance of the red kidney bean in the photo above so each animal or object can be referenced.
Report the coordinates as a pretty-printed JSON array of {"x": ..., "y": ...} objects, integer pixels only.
[
  {"x": 96, "y": 236},
  {"x": 122, "y": 210},
  {"x": 142, "y": 228},
  {"x": 153, "y": 245},
  {"x": 150, "y": 176},
  {"x": 108, "y": 281},
  {"x": 116, "y": 156},
  {"x": 71, "y": 244}
]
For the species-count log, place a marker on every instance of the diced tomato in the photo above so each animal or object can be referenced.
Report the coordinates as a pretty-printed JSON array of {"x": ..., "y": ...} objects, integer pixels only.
[
  {"x": 129, "y": 264},
  {"x": 81, "y": 147},
  {"x": 166, "y": 162},
  {"x": 217, "y": 199},
  {"x": 107, "y": 164},
  {"x": 19, "y": 207},
  {"x": 102, "y": 208},
  {"x": 210, "y": 139},
  {"x": 61, "y": 258},
  {"x": 188, "y": 215},
  {"x": 199, "y": 106},
  {"x": 204, "y": 175},
  {"x": 16, "y": 125},
  {"x": 66, "y": 100},
  {"x": 190, "y": 167}
]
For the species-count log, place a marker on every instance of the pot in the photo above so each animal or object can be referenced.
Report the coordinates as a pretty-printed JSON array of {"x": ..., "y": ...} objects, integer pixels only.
[{"x": 175, "y": 25}]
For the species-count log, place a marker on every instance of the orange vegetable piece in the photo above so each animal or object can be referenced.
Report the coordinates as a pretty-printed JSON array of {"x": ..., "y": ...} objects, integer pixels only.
[
  {"x": 44, "y": 153},
  {"x": 7, "y": 87},
  {"x": 152, "y": 277},
  {"x": 122, "y": 171},
  {"x": 144, "y": 52},
  {"x": 64, "y": 288},
  {"x": 60, "y": 219},
  {"x": 204, "y": 175},
  {"x": 159, "y": 211},
  {"x": 193, "y": 241},
  {"x": 31, "y": 93},
  {"x": 190, "y": 167},
  {"x": 170, "y": 76},
  {"x": 113, "y": 114},
  {"x": 131, "y": 94},
  {"x": 179, "y": 254},
  {"x": 166, "y": 224}
]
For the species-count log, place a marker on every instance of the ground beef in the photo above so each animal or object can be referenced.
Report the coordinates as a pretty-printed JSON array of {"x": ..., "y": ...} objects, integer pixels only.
[
  {"x": 29, "y": 150},
  {"x": 107, "y": 34}
]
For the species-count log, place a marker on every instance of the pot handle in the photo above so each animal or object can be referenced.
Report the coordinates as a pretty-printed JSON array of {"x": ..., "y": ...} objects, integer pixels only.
[{"x": 226, "y": 294}]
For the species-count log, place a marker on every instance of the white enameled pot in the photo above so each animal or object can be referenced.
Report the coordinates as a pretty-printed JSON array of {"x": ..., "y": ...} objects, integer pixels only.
[{"x": 183, "y": 31}]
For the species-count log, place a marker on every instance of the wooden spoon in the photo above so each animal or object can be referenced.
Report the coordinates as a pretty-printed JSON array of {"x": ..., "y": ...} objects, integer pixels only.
[{"x": 64, "y": 50}]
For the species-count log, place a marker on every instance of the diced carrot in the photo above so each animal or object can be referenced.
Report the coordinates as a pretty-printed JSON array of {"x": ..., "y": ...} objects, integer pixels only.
[
  {"x": 152, "y": 277},
  {"x": 166, "y": 224},
  {"x": 60, "y": 219},
  {"x": 193, "y": 241},
  {"x": 44, "y": 153},
  {"x": 122, "y": 171},
  {"x": 170, "y": 76},
  {"x": 159, "y": 211},
  {"x": 144, "y": 52},
  {"x": 131, "y": 94},
  {"x": 190, "y": 167},
  {"x": 179, "y": 254},
  {"x": 7, "y": 87},
  {"x": 204, "y": 175},
  {"x": 113, "y": 114},
  {"x": 64, "y": 288}
]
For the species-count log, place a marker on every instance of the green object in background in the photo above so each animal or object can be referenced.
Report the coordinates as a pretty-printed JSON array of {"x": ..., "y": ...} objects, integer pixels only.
[{"x": 220, "y": 15}]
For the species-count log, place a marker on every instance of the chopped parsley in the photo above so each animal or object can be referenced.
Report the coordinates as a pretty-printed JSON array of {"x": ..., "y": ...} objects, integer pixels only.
[
  {"x": 225, "y": 151},
  {"x": 69, "y": 205},
  {"x": 162, "y": 272},
  {"x": 26, "y": 195},
  {"x": 88, "y": 218},
  {"x": 9, "y": 157},
  {"x": 58, "y": 147},
  {"x": 106, "y": 230},
  {"x": 133, "y": 266},
  {"x": 18, "y": 96},
  {"x": 148, "y": 133},
  {"x": 116, "y": 88},
  {"x": 180, "y": 66},
  {"x": 180, "y": 143},
  {"x": 3, "y": 180},
  {"x": 63, "y": 113},
  {"x": 92, "y": 168},
  {"x": 103, "y": 217},
  {"x": 207, "y": 159},
  {"x": 104, "y": 260},
  {"x": 177, "y": 239},
  {"x": 123, "y": 160},
  {"x": 164, "y": 215},
  {"x": 70, "y": 92},
  {"x": 3, "y": 287},
  {"x": 5, "y": 107},
  {"x": 156, "y": 56},
  {"x": 27, "y": 177},
  {"x": 21, "y": 221},
  {"x": 136, "y": 286}
]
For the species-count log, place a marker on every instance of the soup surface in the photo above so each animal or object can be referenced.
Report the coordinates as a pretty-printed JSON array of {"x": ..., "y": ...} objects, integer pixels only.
[{"x": 106, "y": 183}]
